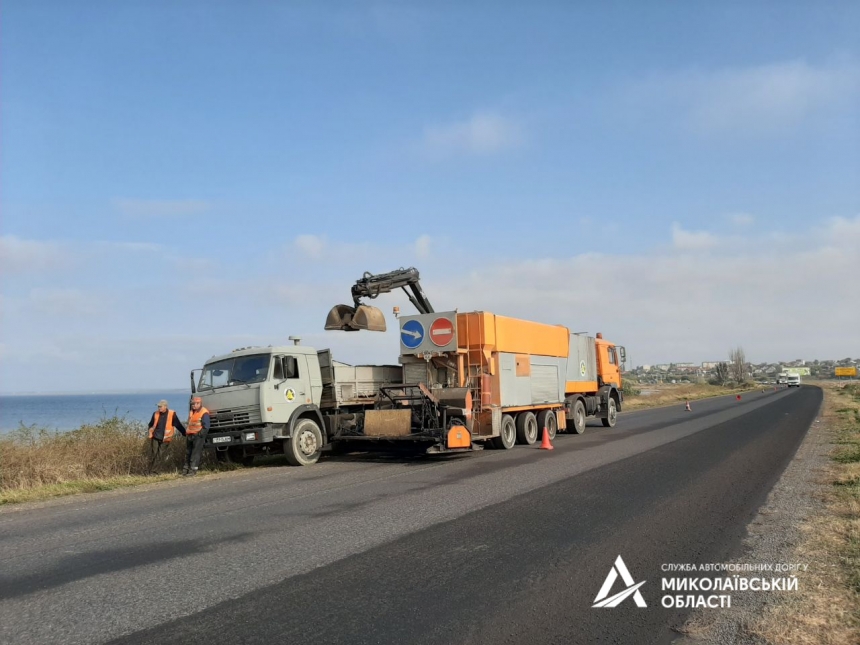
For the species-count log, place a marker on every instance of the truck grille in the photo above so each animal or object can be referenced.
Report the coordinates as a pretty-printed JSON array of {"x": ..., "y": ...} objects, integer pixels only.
[{"x": 235, "y": 418}]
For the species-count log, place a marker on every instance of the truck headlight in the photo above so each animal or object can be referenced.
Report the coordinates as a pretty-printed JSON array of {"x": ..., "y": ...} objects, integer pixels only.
[{"x": 250, "y": 436}]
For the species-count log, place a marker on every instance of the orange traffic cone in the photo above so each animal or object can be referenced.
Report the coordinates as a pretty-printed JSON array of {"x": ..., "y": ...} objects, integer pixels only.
[
  {"x": 687, "y": 407},
  {"x": 545, "y": 443}
]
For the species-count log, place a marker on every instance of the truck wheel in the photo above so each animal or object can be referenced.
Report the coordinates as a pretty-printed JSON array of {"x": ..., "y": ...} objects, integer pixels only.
[
  {"x": 527, "y": 428},
  {"x": 611, "y": 414},
  {"x": 577, "y": 423},
  {"x": 547, "y": 419},
  {"x": 304, "y": 446},
  {"x": 508, "y": 436}
]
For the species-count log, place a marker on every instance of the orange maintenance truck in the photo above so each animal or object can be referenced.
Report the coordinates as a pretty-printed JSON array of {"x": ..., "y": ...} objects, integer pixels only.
[{"x": 475, "y": 378}]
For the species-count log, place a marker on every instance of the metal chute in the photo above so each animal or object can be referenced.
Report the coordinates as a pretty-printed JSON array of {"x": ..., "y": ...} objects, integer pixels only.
[{"x": 361, "y": 318}]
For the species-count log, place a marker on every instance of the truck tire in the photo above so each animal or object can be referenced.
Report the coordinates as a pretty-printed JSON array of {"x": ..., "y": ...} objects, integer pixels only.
[
  {"x": 547, "y": 419},
  {"x": 527, "y": 428},
  {"x": 577, "y": 423},
  {"x": 508, "y": 436},
  {"x": 304, "y": 446},
  {"x": 611, "y": 413}
]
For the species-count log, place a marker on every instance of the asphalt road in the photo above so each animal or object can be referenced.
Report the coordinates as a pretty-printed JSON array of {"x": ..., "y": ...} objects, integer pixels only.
[{"x": 491, "y": 547}]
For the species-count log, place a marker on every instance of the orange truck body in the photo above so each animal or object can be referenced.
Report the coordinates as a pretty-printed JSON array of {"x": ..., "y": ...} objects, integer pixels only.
[{"x": 515, "y": 368}]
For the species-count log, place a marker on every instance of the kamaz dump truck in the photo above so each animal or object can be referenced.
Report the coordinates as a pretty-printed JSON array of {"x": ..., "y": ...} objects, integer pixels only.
[{"x": 463, "y": 380}]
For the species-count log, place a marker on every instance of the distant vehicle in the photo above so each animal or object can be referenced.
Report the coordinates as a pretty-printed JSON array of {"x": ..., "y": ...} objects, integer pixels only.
[
  {"x": 782, "y": 379},
  {"x": 793, "y": 380}
]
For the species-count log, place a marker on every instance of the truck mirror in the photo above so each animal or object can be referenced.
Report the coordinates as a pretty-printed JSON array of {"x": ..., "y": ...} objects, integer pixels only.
[
  {"x": 623, "y": 354},
  {"x": 278, "y": 373}
]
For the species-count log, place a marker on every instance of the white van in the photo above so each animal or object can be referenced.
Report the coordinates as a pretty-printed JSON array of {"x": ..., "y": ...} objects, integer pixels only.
[{"x": 793, "y": 380}]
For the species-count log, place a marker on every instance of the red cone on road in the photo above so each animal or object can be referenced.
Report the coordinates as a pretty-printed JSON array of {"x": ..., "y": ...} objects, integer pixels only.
[
  {"x": 687, "y": 407},
  {"x": 739, "y": 397},
  {"x": 545, "y": 443}
]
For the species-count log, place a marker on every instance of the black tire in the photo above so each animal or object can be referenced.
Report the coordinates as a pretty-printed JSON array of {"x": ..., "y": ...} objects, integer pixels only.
[
  {"x": 248, "y": 461},
  {"x": 221, "y": 457},
  {"x": 577, "y": 423},
  {"x": 547, "y": 419},
  {"x": 611, "y": 414},
  {"x": 304, "y": 446},
  {"x": 508, "y": 436},
  {"x": 527, "y": 428}
]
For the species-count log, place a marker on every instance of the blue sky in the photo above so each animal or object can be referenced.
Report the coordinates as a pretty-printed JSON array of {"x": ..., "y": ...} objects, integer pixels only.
[{"x": 178, "y": 179}]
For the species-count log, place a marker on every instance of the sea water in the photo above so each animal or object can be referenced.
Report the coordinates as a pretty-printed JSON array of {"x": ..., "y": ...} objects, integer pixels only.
[{"x": 69, "y": 411}]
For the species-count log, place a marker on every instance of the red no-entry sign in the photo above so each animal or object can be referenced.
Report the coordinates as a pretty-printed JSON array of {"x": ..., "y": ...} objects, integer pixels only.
[{"x": 441, "y": 332}]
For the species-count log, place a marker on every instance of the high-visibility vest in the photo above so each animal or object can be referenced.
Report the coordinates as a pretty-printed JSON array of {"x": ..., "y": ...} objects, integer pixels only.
[
  {"x": 195, "y": 421},
  {"x": 168, "y": 425}
]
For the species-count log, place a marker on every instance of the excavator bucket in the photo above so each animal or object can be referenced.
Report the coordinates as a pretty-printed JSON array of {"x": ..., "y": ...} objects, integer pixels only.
[
  {"x": 368, "y": 318},
  {"x": 340, "y": 318},
  {"x": 346, "y": 318}
]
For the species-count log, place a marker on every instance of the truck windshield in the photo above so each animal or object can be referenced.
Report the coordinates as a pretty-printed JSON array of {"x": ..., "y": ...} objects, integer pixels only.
[{"x": 235, "y": 371}]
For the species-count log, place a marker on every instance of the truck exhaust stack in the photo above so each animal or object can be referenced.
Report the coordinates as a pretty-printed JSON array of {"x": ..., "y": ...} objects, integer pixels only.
[{"x": 361, "y": 318}]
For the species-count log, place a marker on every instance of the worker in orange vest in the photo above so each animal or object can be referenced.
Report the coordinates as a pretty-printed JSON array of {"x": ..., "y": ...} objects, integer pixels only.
[
  {"x": 162, "y": 427},
  {"x": 195, "y": 435}
]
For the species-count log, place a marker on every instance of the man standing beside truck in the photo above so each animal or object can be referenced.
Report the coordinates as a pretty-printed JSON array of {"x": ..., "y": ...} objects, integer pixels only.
[
  {"x": 162, "y": 426},
  {"x": 195, "y": 435}
]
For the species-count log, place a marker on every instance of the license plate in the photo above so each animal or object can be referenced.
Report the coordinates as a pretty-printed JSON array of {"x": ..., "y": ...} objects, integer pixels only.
[{"x": 222, "y": 439}]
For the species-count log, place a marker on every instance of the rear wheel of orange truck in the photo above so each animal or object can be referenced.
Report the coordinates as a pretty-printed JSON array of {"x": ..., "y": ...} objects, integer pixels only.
[
  {"x": 508, "y": 436},
  {"x": 547, "y": 419},
  {"x": 527, "y": 428}
]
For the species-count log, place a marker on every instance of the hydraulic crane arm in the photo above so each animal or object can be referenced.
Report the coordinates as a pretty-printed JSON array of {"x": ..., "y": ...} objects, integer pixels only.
[
  {"x": 370, "y": 286},
  {"x": 361, "y": 316}
]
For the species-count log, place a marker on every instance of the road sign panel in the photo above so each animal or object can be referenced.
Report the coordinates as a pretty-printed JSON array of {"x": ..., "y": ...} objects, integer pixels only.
[
  {"x": 441, "y": 332},
  {"x": 412, "y": 334}
]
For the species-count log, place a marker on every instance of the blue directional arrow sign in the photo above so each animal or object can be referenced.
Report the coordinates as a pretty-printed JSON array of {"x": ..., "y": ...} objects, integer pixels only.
[{"x": 412, "y": 333}]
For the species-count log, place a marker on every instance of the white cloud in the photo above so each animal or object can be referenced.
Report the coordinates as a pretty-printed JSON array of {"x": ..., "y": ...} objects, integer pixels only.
[
  {"x": 311, "y": 246},
  {"x": 484, "y": 133},
  {"x": 144, "y": 208},
  {"x": 422, "y": 247},
  {"x": 780, "y": 296},
  {"x": 741, "y": 219},
  {"x": 25, "y": 256},
  {"x": 675, "y": 305},
  {"x": 759, "y": 100},
  {"x": 692, "y": 240}
]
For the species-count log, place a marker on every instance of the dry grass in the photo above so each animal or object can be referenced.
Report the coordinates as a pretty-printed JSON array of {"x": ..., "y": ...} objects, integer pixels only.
[
  {"x": 37, "y": 464},
  {"x": 652, "y": 396},
  {"x": 826, "y": 608}
]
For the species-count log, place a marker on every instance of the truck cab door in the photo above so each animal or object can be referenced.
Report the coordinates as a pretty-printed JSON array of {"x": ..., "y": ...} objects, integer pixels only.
[
  {"x": 289, "y": 387},
  {"x": 608, "y": 364}
]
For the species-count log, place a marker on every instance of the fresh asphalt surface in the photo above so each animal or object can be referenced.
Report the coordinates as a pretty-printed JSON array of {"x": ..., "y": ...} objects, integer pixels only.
[{"x": 490, "y": 547}]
